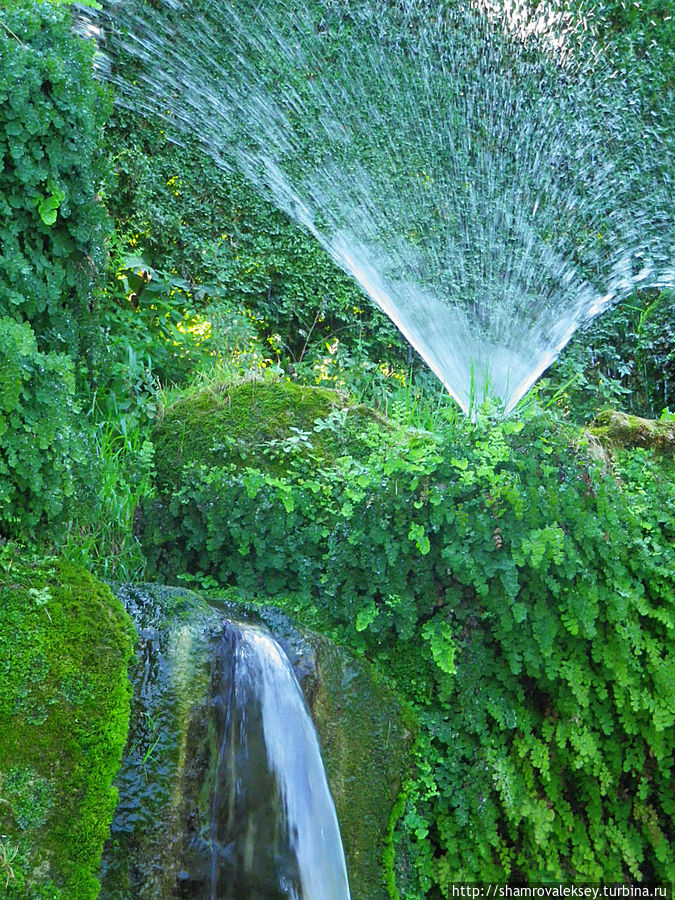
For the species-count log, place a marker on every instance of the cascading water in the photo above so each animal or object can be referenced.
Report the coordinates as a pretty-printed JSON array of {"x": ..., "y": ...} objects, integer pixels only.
[
  {"x": 273, "y": 827},
  {"x": 482, "y": 169},
  {"x": 223, "y": 794}
]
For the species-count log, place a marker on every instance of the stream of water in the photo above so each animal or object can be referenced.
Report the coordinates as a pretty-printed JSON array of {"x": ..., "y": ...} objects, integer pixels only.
[{"x": 273, "y": 828}]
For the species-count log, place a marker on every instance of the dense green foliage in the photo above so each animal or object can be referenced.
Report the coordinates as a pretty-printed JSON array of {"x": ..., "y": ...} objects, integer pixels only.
[
  {"x": 52, "y": 225},
  {"x": 51, "y": 249},
  {"x": 517, "y": 590},
  {"x": 514, "y": 593},
  {"x": 642, "y": 35},
  {"x": 37, "y": 439},
  {"x": 65, "y": 643},
  {"x": 625, "y": 358},
  {"x": 231, "y": 252}
]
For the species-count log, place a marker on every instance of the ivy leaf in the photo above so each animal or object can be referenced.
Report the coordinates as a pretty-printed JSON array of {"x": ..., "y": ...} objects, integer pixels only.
[
  {"x": 418, "y": 534},
  {"x": 519, "y": 612},
  {"x": 48, "y": 207}
]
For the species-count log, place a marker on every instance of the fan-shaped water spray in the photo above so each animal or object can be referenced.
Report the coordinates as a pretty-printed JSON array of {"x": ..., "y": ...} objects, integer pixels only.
[{"x": 480, "y": 169}]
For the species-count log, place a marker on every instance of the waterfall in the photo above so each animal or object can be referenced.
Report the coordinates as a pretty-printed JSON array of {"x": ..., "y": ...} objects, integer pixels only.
[
  {"x": 273, "y": 827},
  {"x": 222, "y": 789}
]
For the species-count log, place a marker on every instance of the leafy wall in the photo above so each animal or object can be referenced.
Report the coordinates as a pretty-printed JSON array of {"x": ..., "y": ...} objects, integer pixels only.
[
  {"x": 518, "y": 593},
  {"x": 39, "y": 445},
  {"x": 52, "y": 230},
  {"x": 52, "y": 225}
]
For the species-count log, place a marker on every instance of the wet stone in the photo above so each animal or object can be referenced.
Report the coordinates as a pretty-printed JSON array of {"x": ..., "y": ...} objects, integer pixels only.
[{"x": 191, "y": 816}]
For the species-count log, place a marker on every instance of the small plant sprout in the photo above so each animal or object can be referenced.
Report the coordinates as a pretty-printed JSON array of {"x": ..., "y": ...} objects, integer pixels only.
[
  {"x": 8, "y": 853},
  {"x": 41, "y": 596}
]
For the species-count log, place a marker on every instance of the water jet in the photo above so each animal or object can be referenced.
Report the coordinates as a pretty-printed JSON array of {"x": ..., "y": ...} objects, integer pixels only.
[{"x": 486, "y": 171}]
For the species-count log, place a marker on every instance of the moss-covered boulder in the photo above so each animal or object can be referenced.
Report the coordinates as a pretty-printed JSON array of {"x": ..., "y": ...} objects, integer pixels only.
[
  {"x": 366, "y": 735},
  {"x": 620, "y": 430},
  {"x": 163, "y": 814},
  {"x": 65, "y": 644},
  {"x": 250, "y": 421},
  {"x": 227, "y": 431}
]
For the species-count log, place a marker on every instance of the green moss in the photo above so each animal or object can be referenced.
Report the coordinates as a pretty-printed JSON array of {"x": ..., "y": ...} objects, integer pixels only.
[
  {"x": 366, "y": 736},
  {"x": 65, "y": 644},
  {"x": 240, "y": 422},
  {"x": 616, "y": 430}
]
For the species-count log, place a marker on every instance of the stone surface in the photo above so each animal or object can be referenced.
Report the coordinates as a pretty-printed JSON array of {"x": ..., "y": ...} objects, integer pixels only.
[
  {"x": 616, "y": 430},
  {"x": 364, "y": 731}
]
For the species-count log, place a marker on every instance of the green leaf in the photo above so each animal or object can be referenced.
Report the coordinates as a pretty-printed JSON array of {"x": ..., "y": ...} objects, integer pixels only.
[
  {"x": 439, "y": 636},
  {"x": 366, "y": 616},
  {"x": 48, "y": 206},
  {"x": 418, "y": 534}
]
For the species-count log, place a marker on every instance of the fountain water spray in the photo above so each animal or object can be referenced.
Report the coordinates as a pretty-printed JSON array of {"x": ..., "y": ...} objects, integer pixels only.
[{"x": 481, "y": 169}]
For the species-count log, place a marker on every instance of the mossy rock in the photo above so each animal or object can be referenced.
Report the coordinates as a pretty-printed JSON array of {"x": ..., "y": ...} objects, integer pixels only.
[
  {"x": 365, "y": 733},
  {"x": 248, "y": 422},
  {"x": 225, "y": 431},
  {"x": 65, "y": 645},
  {"x": 619, "y": 430}
]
